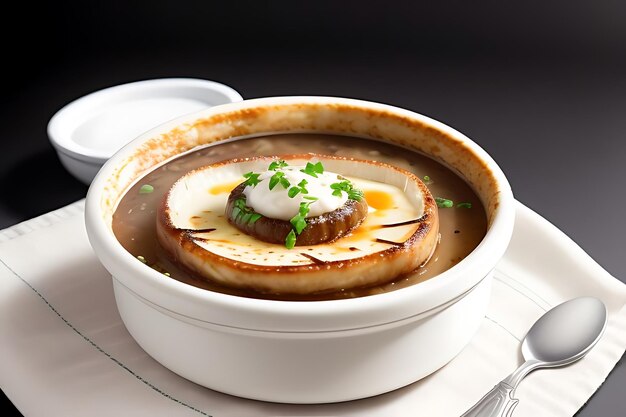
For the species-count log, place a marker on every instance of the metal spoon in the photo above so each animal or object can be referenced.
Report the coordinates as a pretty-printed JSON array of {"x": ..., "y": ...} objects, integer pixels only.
[{"x": 561, "y": 336}]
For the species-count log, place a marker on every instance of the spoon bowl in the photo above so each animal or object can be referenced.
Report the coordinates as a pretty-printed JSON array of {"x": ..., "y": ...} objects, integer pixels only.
[
  {"x": 566, "y": 333},
  {"x": 561, "y": 336}
]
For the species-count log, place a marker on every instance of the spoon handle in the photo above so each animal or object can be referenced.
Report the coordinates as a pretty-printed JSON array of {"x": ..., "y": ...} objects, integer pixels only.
[{"x": 496, "y": 403}]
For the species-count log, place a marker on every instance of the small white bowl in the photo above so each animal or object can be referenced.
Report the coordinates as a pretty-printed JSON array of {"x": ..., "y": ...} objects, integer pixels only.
[
  {"x": 290, "y": 351},
  {"x": 88, "y": 131}
]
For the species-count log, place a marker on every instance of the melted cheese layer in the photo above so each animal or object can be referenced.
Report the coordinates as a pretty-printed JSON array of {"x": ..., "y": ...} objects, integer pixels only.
[
  {"x": 229, "y": 242},
  {"x": 198, "y": 200},
  {"x": 398, "y": 235}
]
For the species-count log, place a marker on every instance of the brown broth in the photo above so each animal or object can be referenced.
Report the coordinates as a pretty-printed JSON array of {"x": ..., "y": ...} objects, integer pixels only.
[{"x": 461, "y": 229}]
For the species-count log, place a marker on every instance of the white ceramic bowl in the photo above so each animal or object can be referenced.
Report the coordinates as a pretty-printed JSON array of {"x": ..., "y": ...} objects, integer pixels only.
[
  {"x": 302, "y": 352},
  {"x": 88, "y": 131}
]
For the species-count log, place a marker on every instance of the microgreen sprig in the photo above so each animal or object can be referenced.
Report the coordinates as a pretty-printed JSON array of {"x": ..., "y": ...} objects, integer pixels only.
[
  {"x": 446, "y": 203},
  {"x": 313, "y": 169},
  {"x": 347, "y": 187},
  {"x": 244, "y": 214},
  {"x": 297, "y": 189},
  {"x": 279, "y": 178},
  {"x": 290, "y": 240},
  {"x": 276, "y": 165},
  {"x": 298, "y": 222},
  {"x": 252, "y": 178}
]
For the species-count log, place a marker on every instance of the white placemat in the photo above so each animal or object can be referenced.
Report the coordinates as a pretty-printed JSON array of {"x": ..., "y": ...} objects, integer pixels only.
[{"x": 65, "y": 352}]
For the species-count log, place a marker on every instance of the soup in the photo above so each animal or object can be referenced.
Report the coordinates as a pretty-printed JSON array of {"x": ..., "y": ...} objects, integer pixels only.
[{"x": 462, "y": 219}]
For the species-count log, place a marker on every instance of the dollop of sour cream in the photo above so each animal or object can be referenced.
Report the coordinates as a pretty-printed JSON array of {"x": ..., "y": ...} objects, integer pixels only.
[{"x": 277, "y": 204}]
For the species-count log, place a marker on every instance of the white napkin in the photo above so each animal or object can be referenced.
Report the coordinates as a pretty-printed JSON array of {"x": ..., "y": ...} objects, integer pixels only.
[{"x": 64, "y": 350}]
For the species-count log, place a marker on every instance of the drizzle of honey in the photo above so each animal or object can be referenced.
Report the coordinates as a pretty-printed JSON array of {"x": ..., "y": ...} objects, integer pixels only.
[
  {"x": 379, "y": 200},
  {"x": 224, "y": 188}
]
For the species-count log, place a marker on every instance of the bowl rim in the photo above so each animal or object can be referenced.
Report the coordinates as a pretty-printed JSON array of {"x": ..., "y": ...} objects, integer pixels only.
[
  {"x": 343, "y": 314},
  {"x": 63, "y": 123}
]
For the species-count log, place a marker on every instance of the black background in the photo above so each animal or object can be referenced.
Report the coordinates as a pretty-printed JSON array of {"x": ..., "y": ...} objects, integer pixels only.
[{"x": 540, "y": 85}]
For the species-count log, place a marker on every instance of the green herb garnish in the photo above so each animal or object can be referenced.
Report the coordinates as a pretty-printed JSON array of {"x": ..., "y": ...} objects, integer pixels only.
[
  {"x": 277, "y": 165},
  {"x": 426, "y": 179},
  {"x": 244, "y": 214},
  {"x": 279, "y": 178},
  {"x": 298, "y": 222},
  {"x": 146, "y": 189},
  {"x": 297, "y": 189},
  {"x": 347, "y": 187},
  {"x": 313, "y": 169},
  {"x": 252, "y": 178},
  {"x": 290, "y": 241},
  {"x": 240, "y": 203},
  {"x": 444, "y": 202},
  {"x": 240, "y": 207},
  {"x": 254, "y": 218}
]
